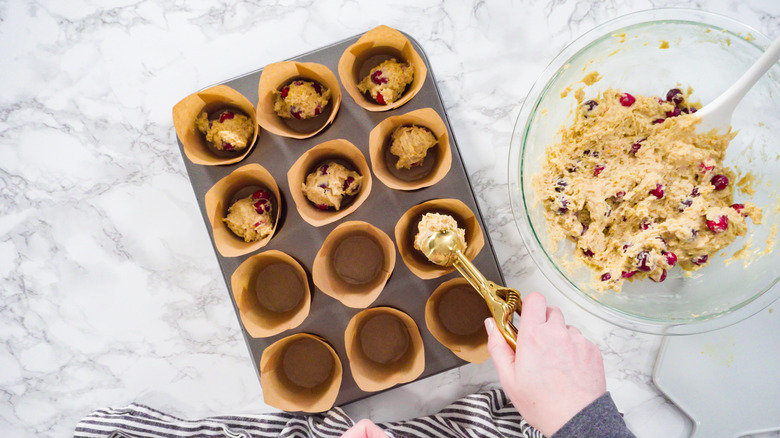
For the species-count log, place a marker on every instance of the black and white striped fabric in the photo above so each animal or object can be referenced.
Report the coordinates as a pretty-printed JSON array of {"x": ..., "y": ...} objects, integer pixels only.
[{"x": 486, "y": 414}]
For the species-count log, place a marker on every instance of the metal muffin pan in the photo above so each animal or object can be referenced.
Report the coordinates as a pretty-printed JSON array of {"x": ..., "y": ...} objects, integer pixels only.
[{"x": 404, "y": 291}]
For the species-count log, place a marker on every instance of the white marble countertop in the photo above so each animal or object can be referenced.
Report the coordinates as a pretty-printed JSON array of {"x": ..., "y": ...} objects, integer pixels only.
[{"x": 111, "y": 292}]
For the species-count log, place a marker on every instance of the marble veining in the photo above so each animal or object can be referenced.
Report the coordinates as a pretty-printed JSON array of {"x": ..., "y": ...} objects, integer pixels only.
[{"x": 111, "y": 292}]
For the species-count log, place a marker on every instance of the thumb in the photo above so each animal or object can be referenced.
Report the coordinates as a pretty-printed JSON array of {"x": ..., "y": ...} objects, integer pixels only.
[{"x": 502, "y": 354}]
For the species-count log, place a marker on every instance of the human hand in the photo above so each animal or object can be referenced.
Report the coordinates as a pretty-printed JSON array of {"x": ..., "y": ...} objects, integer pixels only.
[
  {"x": 555, "y": 372},
  {"x": 364, "y": 428}
]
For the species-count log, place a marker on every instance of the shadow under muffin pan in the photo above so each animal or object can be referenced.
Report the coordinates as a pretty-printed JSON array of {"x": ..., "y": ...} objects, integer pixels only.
[{"x": 328, "y": 317}]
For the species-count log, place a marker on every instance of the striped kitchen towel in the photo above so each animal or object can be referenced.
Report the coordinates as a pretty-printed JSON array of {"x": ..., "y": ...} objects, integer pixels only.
[{"x": 485, "y": 414}]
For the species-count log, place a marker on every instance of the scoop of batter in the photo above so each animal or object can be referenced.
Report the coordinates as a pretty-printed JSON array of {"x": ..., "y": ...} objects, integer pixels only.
[
  {"x": 301, "y": 100},
  {"x": 434, "y": 222},
  {"x": 638, "y": 190},
  {"x": 227, "y": 130},
  {"x": 327, "y": 186},
  {"x": 250, "y": 217},
  {"x": 410, "y": 144},
  {"x": 387, "y": 81}
]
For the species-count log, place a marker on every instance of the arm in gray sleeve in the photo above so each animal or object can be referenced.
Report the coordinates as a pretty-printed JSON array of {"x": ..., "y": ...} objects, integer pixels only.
[{"x": 599, "y": 419}]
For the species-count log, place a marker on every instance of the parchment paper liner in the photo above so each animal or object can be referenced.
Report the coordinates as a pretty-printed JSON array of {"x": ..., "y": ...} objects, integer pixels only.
[
  {"x": 280, "y": 73},
  {"x": 259, "y": 321},
  {"x": 406, "y": 229},
  {"x": 357, "y": 296},
  {"x": 217, "y": 201},
  {"x": 472, "y": 347},
  {"x": 339, "y": 149},
  {"x": 187, "y": 110},
  {"x": 372, "y": 376},
  {"x": 380, "y": 39},
  {"x": 379, "y": 139},
  {"x": 281, "y": 393}
]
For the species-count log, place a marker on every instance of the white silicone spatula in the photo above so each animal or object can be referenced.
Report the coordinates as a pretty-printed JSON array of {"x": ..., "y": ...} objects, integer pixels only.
[{"x": 717, "y": 114}]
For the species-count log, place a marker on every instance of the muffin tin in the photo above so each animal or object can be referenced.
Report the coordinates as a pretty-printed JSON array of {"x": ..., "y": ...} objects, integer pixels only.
[{"x": 328, "y": 317}]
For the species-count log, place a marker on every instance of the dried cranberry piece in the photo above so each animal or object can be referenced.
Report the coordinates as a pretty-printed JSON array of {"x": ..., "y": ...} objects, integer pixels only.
[
  {"x": 657, "y": 121},
  {"x": 645, "y": 224},
  {"x": 317, "y": 110},
  {"x": 261, "y": 194},
  {"x": 587, "y": 252},
  {"x": 636, "y": 146},
  {"x": 261, "y": 206},
  {"x": 685, "y": 203},
  {"x": 718, "y": 226},
  {"x": 560, "y": 185},
  {"x": 695, "y": 192},
  {"x": 661, "y": 278},
  {"x": 584, "y": 228},
  {"x": 627, "y": 99},
  {"x": 692, "y": 109},
  {"x": 590, "y": 104},
  {"x": 625, "y": 274},
  {"x": 321, "y": 206},
  {"x": 674, "y": 113},
  {"x": 257, "y": 224},
  {"x": 606, "y": 277},
  {"x": 416, "y": 163},
  {"x": 376, "y": 77},
  {"x": 227, "y": 115},
  {"x": 658, "y": 191},
  {"x": 675, "y": 95},
  {"x": 704, "y": 168},
  {"x": 643, "y": 261},
  {"x": 739, "y": 208},
  {"x": 324, "y": 169},
  {"x": 323, "y": 186},
  {"x": 671, "y": 258},
  {"x": 317, "y": 88},
  {"x": 298, "y": 83},
  {"x": 380, "y": 99},
  {"x": 700, "y": 260},
  {"x": 348, "y": 181},
  {"x": 599, "y": 168},
  {"x": 619, "y": 195},
  {"x": 227, "y": 146},
  {"x": 295, "y": 113},
  {"x": 564, "y": 208},
  {"x": 720, "y": 182},
  {"x": 285, "y": 92}
]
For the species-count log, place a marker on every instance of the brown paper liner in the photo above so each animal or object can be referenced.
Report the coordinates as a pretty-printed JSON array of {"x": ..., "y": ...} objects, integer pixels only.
[
  {"x": 274, "y": 76},
  {"x": 196, "y": 147},
  {"x": 354, "y": 248},
  {"x": 379, "y": 141},
  {"x": 406, "y": 229},
  {"x": 334, "y": 149},
  {"x": 454, "y": 314},
  {"x": 218, "y": 199},
  {"x": 370, "y": 50},
  {"x": 383, "y": 339},
  {"x": 283, "y": 303},
  {"x": 298, "y": 388}
]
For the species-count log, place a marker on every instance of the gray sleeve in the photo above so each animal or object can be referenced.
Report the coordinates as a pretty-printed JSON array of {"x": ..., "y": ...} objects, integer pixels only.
[{"x": 599, "y": 419}]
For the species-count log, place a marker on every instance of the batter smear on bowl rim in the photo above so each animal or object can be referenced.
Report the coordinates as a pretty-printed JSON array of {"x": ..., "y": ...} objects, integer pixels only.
[{"x": 638, "y": 191}]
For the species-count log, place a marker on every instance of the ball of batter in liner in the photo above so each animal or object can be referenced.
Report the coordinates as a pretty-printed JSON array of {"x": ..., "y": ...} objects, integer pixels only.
[
  {"x": 387, "y": 81},
  {"x": 226, "y": 130},
  {"x": 327, "y": 186},
  {"x": 410, "y": 144},
  {"x": 301, "y": 100},
  {"x": 250, "y": 218},
  {"x": 434, "y": 222}
]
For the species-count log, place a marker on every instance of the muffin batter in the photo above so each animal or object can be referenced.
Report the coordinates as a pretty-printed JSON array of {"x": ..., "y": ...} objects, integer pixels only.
[
  {"x": 638, "y": 190},
  {"x": 387, "y": 81},
  {"x": 434, "y": 222},
  {"x": 410, "y": 144},
  {"x": 226, "y": 130},
  {"x": 327, "y": 186},
  {"x": 250, "y": 217},
  {"x": 301, "y": 100}
]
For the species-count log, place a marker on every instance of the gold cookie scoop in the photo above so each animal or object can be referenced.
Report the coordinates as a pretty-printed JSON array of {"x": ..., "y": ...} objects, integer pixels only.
[{"x": 444, "y": 248}]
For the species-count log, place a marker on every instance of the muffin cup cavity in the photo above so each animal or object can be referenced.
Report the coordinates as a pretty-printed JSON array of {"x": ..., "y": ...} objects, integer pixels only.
[
  {"x": 384, "y": 348},
  {"x": 194, "y": 143},
  {"x": 340, "y": 151},
  {"x": 219, "y": 198},
  {"x": 436, "y": 164},
  {"x": 274, "y": 77},
  {"x": 271, "y": 290},
  {"x": 406, "y": 229},
  {"x": 354, "y": 264},
  {"x": 301, "y": 372},
  {"x": 374, "y": 47},
  {"x": 455, "y": 314}
]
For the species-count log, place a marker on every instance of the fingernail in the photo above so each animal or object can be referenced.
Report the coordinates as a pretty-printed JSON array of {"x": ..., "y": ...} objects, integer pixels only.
[{"x": 489, "y": 325}]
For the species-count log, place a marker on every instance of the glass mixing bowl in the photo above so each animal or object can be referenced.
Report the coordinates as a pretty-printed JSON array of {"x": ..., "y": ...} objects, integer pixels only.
[{"x": 708, "y": 53}]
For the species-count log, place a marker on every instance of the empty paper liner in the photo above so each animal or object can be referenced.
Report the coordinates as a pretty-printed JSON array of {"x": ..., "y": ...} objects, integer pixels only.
[
  {"x": 194, "y": 143},
  {"x": 455, "y": 314},
  {"x": 354, "y": 263},
  {"x": 384, "y": 348},
  {"x": 240, "y": 183},
  {"x": 277, "y": 76},
  {"x": 373, "y": 48},
  {"x": 342, "y": 152},
  {"x": 271, "y": 290},
  {"x": 406, "y": 230},
  {"x": 301, "y": 372},
  {"x": 435, "y": 165}
]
